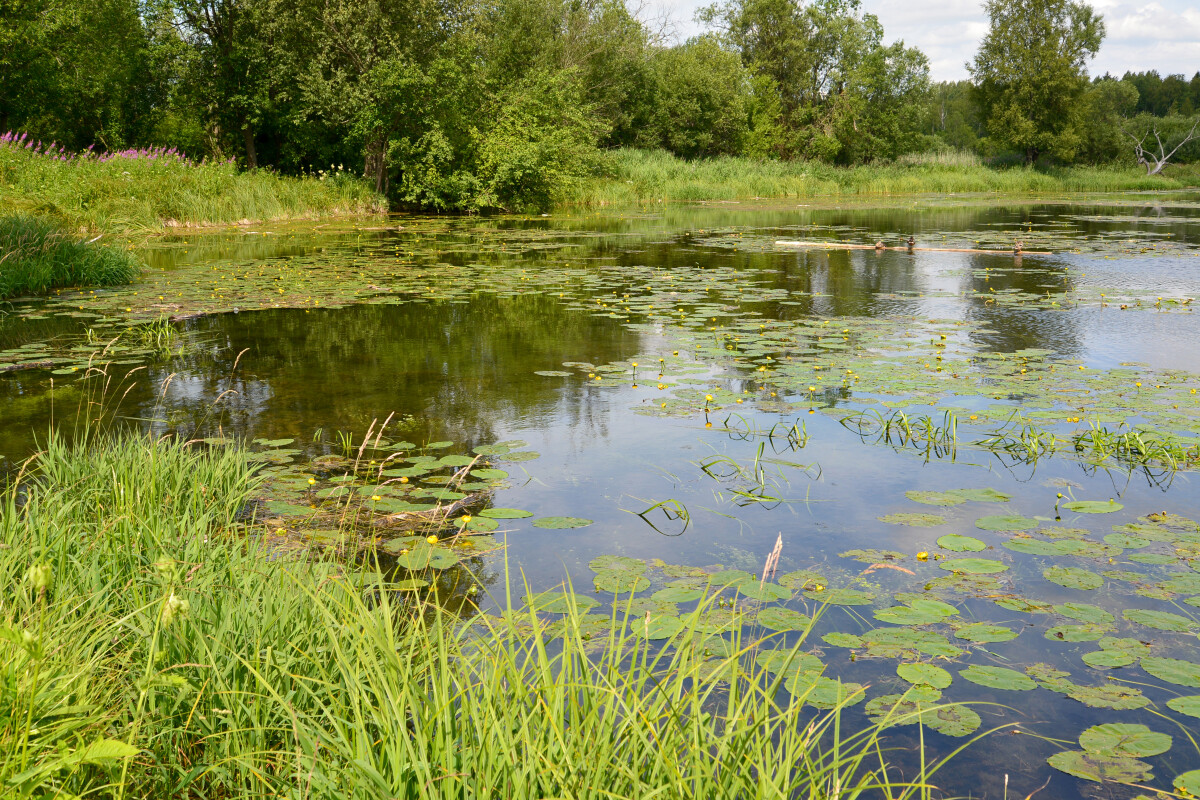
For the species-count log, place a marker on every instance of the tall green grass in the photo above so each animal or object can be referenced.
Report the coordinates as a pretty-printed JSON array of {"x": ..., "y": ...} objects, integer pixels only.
[
  {"x": 36, "y": 256},
  {"x": 148, "y": 649},
  {"x": 146, "y": 192},
  {"x": 638, "y": 176}
]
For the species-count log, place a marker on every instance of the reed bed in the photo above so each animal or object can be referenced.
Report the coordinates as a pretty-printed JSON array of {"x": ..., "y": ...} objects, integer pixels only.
[
  {"x": 36, "y": 255},
  {"x": 149, "y": 647},
  {"x": 147, "y": 190},
  {"x": 639, "y": 176}
]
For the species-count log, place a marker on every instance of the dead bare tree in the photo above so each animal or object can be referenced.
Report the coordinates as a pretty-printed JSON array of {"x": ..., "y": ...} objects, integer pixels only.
[{"x": 1155, "y": 163}]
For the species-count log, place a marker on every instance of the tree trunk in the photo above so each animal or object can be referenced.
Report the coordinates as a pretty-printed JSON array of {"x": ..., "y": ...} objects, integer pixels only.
[
  {"x": 251, "y": 153},
  {"x": 374, "y": 161},
  {"x": 1031, "y": 155}
]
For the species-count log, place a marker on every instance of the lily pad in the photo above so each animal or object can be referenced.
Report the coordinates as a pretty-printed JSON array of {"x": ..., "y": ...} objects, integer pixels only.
[
  {"x": 553, "y": 373},
  {"x": 555, "y": 601},
  {"x": 926, "y": 674},
  {"x": 1108, "y": 696},
  {"x": 1108, "y": 659},
  {"x": 1124, "y": 739},
  {"x": 998, "y": 678},
  {"x": 677, "y": 594},
  {"x": 1173, "y": 670},
  {"x": 764, "y": 592},
  {"x": 1159, "y": 620},
  {"x": 1101, "y": 768},
  {"x": 620, "y": 581},
  {"x": 609, "y": 563},
  {"x": 1189, "y": 705},
  {"x": 981, "y": 495},
  {"x": 505, "y": 513},
  {"x": 960, "y": 544},
  {"x": 952, "y": 720},
  {"x": 489, "y": 474},
  {"x": 1006, "y": 522},
  {"x": 1073, "y": 577},
  {"x": 935, "y": 498},
  {"x": 973, "y": 566},
  {"x": 660, "y": 627},
  {"x": 1076, "y": 633},
  {"x": 782, "y": 619},
  {"x": 842, "y": 597},
  {"x": 560, "y": 523},
  {"x": 1085, "y": 612},
  {"x": 1188, "y": 782},
  {"x": 982, "y": 632},
  {"x": 914, "y": 520},
  {"x": 1093, "y": 506}
]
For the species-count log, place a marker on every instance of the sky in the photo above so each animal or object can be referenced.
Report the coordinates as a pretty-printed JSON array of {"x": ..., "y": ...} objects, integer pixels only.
[{"x": 1163, "y": 35}]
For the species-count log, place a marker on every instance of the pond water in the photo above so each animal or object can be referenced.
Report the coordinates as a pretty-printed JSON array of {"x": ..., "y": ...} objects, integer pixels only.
[{"x": 969, "y": 461}]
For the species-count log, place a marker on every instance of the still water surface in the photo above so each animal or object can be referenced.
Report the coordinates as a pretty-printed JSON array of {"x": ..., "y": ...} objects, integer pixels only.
[{"x": 445, "y": 323}]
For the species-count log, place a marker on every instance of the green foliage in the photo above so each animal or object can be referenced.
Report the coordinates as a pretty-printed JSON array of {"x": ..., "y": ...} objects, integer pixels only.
[
  {"x": 148, "y": 651},
  {"x": 835, "y": 91},
  {"x": 702, "y": 99},
  {"x": 1105, "y": 106},
  {"x": 141, "y": 192},
  {"x": 36, "y": 256},
  {"x": 1030, "y": 74}
]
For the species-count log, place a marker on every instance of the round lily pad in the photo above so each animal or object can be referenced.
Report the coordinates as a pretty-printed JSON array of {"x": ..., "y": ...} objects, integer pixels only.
[
  {"x": 677, "y": 594},
  {"x": 952, "y": 720},
  {"x": 982, "y": 632},
  {"x": 609, "y": 563},
  {"x": 981, "y": 495},
  {"x": 1188, "y": 782},
  {"x": 972, "y": 566},
  {"x": 782, "y": 619},
  {"x": 1100, "y": 768},
  {"x": 998, "y": 678},
  {"x": 1173, "y": 670},
  {"x": 841, "y": 597},
  {"x": 1085, "y": 612},
  {"x": 926, "y": 674},
  {"x": 552, "y": 373},
  {"x": 914, "y": 520},
  {"x": 1073, "y": 577},
  {"x": 558, "y": 523},
  {"x": 620, "y": 581},
  {"x": 788, "y": 662},
  {"x": 1076, "y": 633},
  {"x": 1124, "y": 739},
  {"x": 1159, "y": 620},
  {"x": 1007, "y": 522},
  {"x": 660, "y": 627},
  {"x": 935, "y": 498},
  {"x": 1189, "y": 705},
  {"x": 505, "y": 513},
  {"x": 1093, "y": 506},
  {"x": 555, "y": 601},
  {"x": 960, "y": 544},
  {"x": 1108, "y": 659},
  {"x": 764, "y": 592},
  {"x": 489, "y": 474}
]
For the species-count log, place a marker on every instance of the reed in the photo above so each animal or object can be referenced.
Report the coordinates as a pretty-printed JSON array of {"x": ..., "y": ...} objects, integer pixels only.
[
  {"x": 641, "y": 176},
  {"x": 36, "y": 255},
  {"x": 147, "y": 190}
]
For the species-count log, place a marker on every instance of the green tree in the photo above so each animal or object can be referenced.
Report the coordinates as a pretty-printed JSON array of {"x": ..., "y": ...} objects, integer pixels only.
[
  {"x": 1030, "y": 73},
  {"x": 835, "y": 91},
  {"x": 703, "y": 92},
  {"x": 1105, "y": 106}
]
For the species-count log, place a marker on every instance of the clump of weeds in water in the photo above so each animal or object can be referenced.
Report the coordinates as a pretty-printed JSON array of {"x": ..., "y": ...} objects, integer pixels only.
[
  {"x": 159, "y": 336},
  {"x": 152, "y": 650},
  {"x": 923, "y": 433},
  {"x": 1136, "y": 447}
]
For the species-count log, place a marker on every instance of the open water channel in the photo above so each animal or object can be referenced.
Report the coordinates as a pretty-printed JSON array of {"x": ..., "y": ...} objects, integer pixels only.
[{"x": 980, "y": 470}]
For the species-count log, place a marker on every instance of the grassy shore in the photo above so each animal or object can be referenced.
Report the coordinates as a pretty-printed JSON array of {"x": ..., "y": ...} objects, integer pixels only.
[
  {"x": 36, "y": 256},
  {"x": 150, "y": 649},
  {"x": 638, "y": 176},
  {"x": 147, "y": 190}
]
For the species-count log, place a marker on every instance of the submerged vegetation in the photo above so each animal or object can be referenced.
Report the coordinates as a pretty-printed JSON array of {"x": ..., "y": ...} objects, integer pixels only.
[{"x": 37, "y": 255}]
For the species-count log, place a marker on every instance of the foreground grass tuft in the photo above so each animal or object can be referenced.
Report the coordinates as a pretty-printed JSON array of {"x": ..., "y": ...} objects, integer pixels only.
[
  {"x": 634, "y": 176},
  {"x": 36, "y": 256},
  {"x": 149, "y": 650}
]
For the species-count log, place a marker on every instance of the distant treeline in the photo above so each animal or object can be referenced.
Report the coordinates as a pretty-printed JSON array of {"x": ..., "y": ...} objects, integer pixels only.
[{"x": 506, "y": 103}]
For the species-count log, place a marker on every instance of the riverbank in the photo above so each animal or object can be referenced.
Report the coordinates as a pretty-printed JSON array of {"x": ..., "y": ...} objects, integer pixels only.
[
  {"x": 639, "y": 176},
  {"x": 148, "y": 190},
  {"x": 36, "y": 256},
  {"x": 155, "y": 645}
]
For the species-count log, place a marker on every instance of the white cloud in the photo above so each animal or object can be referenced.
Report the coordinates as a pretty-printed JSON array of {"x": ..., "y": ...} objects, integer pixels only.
[{"x": 1162, "y": 35}]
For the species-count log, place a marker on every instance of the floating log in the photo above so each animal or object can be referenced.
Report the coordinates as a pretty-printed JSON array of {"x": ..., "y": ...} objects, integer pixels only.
[{"x": 906, "y": 249}]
